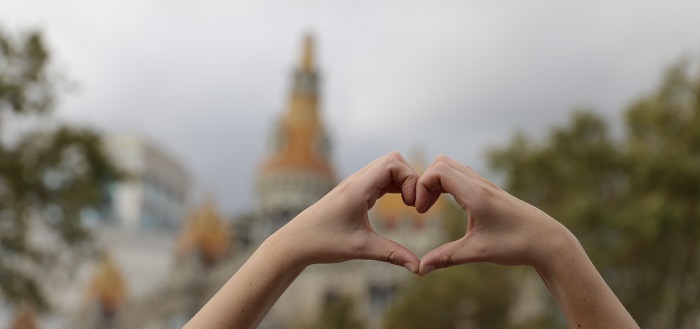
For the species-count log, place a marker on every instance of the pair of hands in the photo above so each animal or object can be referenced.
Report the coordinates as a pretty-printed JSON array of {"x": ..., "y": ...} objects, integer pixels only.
[{"x": 502, "y": 229}]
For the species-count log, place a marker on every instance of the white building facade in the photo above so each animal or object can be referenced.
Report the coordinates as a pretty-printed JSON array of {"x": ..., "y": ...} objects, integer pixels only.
[{"x": 155, "y": 194}]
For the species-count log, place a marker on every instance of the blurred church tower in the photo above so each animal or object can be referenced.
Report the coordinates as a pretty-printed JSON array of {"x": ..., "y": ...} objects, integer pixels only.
[
  {"x": 106, "y": 294},
  {"x": 296, "y": 171}
]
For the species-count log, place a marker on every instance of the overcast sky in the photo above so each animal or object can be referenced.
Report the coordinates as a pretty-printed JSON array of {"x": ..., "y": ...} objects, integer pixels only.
[{"x": 206, "y": 79}]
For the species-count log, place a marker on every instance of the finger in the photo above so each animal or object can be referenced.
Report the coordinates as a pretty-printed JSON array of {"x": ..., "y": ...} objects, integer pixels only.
[
  {"x": 462, "y": 251},
  {"x": 385, "y": 250},
  {"x": 455, "y": 164},
  {"x": 426, "y": 196},
  {"x": 441, "y": 178},
  {"x": 433, "y": 195},
  {"x": 466, "y": 170},
  {"x": 393, "y": 175},
  {"x": 407, "y": 178}
]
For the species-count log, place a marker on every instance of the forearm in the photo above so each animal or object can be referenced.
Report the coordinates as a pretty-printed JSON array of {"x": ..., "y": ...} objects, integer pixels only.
[
  {"x": 245, "y": 299},
  {"x": 580, "y": 291}
]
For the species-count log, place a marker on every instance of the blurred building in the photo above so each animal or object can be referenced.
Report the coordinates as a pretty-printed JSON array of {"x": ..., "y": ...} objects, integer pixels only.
[
  {"x": 154, "y": 196},
  {"x": 297, "y": 170},
  {"x": 136, "y": 227},
  {"x": 200, "y": 257},
  {"x": 295, "y": 173},
  {"x": 372, "y": 285}
]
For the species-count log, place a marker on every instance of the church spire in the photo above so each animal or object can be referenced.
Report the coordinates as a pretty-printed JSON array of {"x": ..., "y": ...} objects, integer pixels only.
[
  {"x": 297, "y": 170},
  {"x": 302, "y": 109},
  {"x": 300, "y": 143},
  {"x": 307, "y": 56}
]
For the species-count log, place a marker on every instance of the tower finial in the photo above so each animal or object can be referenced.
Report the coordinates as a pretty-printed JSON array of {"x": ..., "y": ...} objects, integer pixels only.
[{"x": 307, "y": 55}]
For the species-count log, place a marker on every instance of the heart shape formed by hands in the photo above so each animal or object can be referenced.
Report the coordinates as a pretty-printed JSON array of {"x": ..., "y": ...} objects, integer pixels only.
[{"x": 502, "y": 229}]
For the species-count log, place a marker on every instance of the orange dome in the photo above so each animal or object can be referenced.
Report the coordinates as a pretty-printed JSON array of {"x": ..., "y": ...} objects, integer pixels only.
[
  {"x": 107, "y": 286},
  {"x": 298, "y": 154},
  {"x": 391, "y": 209},
  {"x": 207, "y": 234}
]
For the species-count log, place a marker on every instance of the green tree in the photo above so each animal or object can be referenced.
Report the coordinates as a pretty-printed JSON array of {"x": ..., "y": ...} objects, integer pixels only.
[
  {"x": 632, "y": 201},
  {"x": 48, "y": 176},
  {"x": 475, "y": 296},
  {"x": 337, "y": 314}
]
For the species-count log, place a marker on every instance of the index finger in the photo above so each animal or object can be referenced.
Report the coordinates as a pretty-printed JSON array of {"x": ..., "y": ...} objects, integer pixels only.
[
  {"x": 392, "y": 174},
  {"x": 461, "y": 167},
  {"x": 440, "y": 178}
]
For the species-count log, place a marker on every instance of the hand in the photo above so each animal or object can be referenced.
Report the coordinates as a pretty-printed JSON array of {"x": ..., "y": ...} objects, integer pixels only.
[
  {"x": 502, "y": 229},
  {"x": 337, "y": 229}
]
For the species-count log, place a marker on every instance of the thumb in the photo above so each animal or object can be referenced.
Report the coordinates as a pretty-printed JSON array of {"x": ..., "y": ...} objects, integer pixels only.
[
  {"x": 385, "y": 250},
  {"x": 464, "y": 250}
]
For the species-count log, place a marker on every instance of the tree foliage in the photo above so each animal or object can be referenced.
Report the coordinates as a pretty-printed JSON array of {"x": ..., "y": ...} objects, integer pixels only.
[
  {"x": 25, "y": 84},
  {"x": 337, "y": 314},
  {"x": 47, "y": 175},
  {"x": 632, "y": 201},
  {"x": 463, "y": 297}
]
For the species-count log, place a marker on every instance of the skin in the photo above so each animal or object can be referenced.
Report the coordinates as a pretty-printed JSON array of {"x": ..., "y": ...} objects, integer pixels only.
[
  {"x": 508, "y": 231},
  {"x": 502, "y": 230},
  {"x": 333, "y": 230}
]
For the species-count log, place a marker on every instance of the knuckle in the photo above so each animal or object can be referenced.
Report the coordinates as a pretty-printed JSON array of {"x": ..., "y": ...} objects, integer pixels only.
[
  {"x": 446, "y": 261},
  {"x": 489, "y": 192},
  {"x": 389, "y": 160},
  {"x": 390, "y": 257},
  {"x": 484, "y": 190},
  {"x": 461, "y": 201},
  {"x": 442, "y": 167},
  {"x": 442, "y": 158},
  {"x": 394, "y": 156},
  {"x": 492, "y": 184}
]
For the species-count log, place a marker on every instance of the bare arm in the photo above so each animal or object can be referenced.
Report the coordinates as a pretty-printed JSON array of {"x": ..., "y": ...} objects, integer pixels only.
[
  {"x": 505, "y": 230},
  {"x": 333, "y": 230},
  {"x": 580, "y": 291}
]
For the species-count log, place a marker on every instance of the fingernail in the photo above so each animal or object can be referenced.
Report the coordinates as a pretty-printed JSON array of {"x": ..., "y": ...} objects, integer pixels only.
[
  {"x": 428, "y": 269},
  {"x": 410, "y": 267}
]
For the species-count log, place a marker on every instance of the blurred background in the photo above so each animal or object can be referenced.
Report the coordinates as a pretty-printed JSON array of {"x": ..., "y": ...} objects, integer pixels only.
[{"x": 147, "y": 148}]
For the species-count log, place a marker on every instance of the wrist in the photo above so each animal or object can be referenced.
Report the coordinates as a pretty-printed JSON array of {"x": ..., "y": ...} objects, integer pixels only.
[
  {"x": 561, "y": 248},
  {"x": 578, "y": 289},
  {"x": 285, "y": 250}
]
